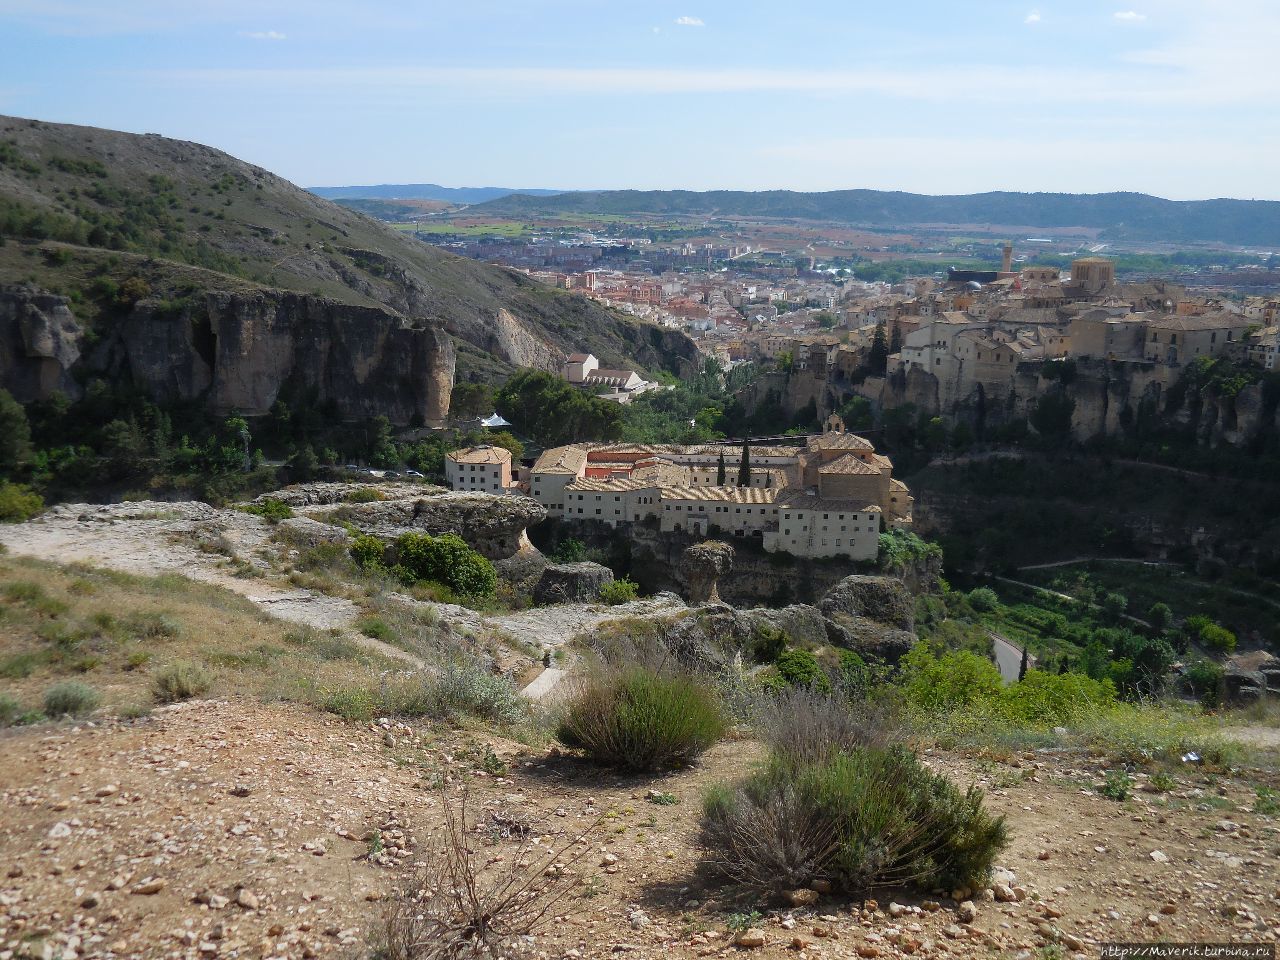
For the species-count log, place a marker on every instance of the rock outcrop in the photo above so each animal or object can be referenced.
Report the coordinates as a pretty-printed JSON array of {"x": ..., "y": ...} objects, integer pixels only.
[
  {"x": 571, "y": 583},
  {"x": 881, "y": 599},
  {"x": 701, "y": 567},
  {"x": 236, "y": 353},
  {"x": 40, "y": 342},
  {"x": 493, "y": 526}
]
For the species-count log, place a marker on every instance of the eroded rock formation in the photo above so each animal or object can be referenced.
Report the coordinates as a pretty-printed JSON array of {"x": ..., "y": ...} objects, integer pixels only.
[
  {"x": 571, "y": 583},
  {"x": 701, "y": 567},
  {"x": 237, "y": 352},
  {"x": 494, "y": 526}
]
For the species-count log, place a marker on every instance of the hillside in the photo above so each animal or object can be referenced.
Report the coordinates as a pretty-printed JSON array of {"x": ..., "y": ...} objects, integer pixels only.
[
  {"x": 177, "y": 205},
  {"x": 424, "y": 191},
  {"x": 1119, "y": 216}
]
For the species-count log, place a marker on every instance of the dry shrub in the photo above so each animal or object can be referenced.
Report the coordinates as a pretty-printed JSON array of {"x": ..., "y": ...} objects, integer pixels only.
[
  {"x": 455, "y": 907},
  {"x": 859, "y": 818},
  {"x": 636, "y": 718},
  {"x": 806, "y": 724}
]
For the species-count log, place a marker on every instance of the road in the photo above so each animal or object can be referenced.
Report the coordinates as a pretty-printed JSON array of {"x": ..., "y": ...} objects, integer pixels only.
[{"x": 1008, "y": 658}]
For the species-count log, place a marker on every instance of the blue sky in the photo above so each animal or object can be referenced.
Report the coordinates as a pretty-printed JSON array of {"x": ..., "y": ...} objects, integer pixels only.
[{"x": 1179, "y": 98}]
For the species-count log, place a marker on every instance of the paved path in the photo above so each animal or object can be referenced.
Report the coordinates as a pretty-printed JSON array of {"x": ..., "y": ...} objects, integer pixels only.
[{"x": 543, "y": 683}]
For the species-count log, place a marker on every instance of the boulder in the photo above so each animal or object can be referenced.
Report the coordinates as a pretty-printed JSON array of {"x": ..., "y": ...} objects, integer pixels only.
[
  {"x": 1243, "y": 687},
  {"x": 312, "y": 533},
  {"x": 571, "y": 583},
  {"x": 804, "y": 625},
  {"x": 882, "y": 599},
  {"x": 866, "y": 637},
  {"x": 701, "y": 567},
  {"x": 496, "y": 527}
]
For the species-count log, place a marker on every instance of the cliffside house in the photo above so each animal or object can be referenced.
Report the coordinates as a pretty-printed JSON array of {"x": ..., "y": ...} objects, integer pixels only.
[
  {"x": 483, "y": 469},
  {"x": 584, "y": 370}
]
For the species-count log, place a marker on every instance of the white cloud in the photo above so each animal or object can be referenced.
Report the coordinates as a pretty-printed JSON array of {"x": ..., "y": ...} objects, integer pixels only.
[
  {"x": 264, "y": 35},
  {"x": 690, "y": 22},
  {"x": 1032, "y": 17},
  {"x": 1129, "y": 16}
]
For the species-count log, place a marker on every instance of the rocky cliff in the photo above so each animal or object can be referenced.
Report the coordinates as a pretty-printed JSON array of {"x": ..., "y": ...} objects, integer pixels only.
[{"x": 234, "y": 352}]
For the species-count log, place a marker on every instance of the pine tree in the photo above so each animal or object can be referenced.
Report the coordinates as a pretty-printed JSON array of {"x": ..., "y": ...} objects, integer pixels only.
[
  {"x": 878, "y": 359},
  {"x": 895, "y": 341},
  {"x": 744, "y": 467},
  {"x": 720, "y": 472}
]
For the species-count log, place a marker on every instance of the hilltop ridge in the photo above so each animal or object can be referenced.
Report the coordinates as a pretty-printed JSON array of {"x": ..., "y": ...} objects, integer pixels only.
[
  {"x": 1118, "y": 216},
  {"x": 108, "y": 194}
]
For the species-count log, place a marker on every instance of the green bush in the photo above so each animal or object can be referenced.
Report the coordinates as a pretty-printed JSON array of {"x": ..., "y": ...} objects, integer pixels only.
[
  {"x": 180, "y": 681},
  {"x": 983, "y": 599},
  {"x": 1054, "y": 699},
  {"x": 10, "y": 710},
  {"x": 857, "y": 819},
  {"x": 446, "y": 559},
  {"x": 1203, "y": 679},
  {"x": 569, "y": 551},
  {"x": 70, "y": 699},
  {"x": 375, "y": 627},
  {"x": 1116, "y": 785},
  {"x": 635, "y": 718},
  {"x": 368, "y": 552},
  {"x": 936, "y": 682},
  {"x": 800, "y": 668},
  {"x": 767, "y": 643},
  {"x": 270, "y": 509},
  {"x": 618, "y": 591},
  {"x": 809, "y": 725},
  {"x": 18, "y": 503},
  {"x": 364, "y": 495},
  {"x": 1219, "y": 638}
]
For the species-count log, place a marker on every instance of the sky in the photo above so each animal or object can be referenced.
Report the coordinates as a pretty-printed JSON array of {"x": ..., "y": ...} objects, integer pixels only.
[{"x": 1179, "y": 98}]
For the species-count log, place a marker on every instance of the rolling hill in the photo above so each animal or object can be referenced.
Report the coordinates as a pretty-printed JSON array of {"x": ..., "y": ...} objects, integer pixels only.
[
  {"x": 424, "y": 191},
  {"x": 195, "y": 220},
  {"x": 1119, "y": 216}
]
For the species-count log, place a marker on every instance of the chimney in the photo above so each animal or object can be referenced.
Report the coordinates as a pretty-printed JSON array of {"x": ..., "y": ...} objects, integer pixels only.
[{"x": 1006, "y": 264}]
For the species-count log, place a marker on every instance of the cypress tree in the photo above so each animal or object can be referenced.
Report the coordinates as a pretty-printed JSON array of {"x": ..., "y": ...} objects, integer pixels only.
[
  {"x": 720, "y": 472},
  {"x": 1022, "y": 667},
  {"x": 744, "y": 467}
]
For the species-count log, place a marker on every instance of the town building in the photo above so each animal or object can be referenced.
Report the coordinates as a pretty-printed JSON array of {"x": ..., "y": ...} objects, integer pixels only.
[
  {"x": 483, "y": 469},
  {"x": 830, "y": 497}
]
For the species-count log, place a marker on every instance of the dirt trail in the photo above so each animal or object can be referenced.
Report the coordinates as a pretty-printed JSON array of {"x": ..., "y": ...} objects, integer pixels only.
[{"x": 151, "y": 538}]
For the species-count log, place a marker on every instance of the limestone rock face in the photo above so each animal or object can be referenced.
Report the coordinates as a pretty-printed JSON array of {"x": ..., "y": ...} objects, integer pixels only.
[
  {"x": 236, "y": 352},
  {"x": 884, "y": 600},
  {"x": 493, "y": 526},
  {"x": 571, "y": 583},
  {"x": 701, "y": 566},
  {"x": 39, "y": 343}
]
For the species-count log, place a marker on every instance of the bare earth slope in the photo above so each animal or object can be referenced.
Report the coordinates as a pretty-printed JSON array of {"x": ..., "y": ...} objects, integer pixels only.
[{"x": 230, "y": 828}]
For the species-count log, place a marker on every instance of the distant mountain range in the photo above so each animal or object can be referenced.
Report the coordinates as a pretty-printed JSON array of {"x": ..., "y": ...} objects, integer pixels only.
[
  {"x": 424, "y": 191},
  {"x": 1119, "y": 216}
]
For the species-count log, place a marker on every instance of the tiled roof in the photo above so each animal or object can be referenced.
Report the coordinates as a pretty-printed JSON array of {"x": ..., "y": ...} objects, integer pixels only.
[
  {"x": 484, "y": 454},
  {"x": 849, "y": 464},
  {"x": 797, "y": 500},
  {"x": 840, "y": 441},
  {"x": 615, "y": 484},
  {"x": 720, "y": 494},
  {"x": 570, "y": 459}
]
